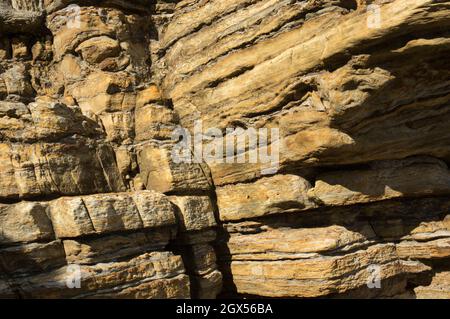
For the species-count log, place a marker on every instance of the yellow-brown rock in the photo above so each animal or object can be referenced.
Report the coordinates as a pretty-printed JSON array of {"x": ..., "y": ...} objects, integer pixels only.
[
  {"x": 354, "y": 95},
  {"x": 106, "y": 213},
  {"x": 438, "y": 289},
  {"x": 160, "y": 171},
  {"x": 25, "y": 222},
  {"x": 386, "y": 180},
  {"x": 313, "y": 277},
  {"x": 278, "y": 194}
]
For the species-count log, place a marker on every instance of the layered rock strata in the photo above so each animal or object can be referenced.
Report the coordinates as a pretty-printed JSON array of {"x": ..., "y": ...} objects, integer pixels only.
[{"x": 93, "y": 203}]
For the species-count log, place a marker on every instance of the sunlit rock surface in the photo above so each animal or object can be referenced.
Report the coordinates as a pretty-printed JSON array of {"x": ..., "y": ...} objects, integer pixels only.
[{"x": 93, "y": 203}]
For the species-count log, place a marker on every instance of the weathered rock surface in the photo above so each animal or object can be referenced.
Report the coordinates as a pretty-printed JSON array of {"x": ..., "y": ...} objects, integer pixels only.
[
  {"x": 354, "y": 201},
  {"x": 438, "y": 289},
  {"x": 163, "y": 272},
  {"x": 278, "y": 194}
]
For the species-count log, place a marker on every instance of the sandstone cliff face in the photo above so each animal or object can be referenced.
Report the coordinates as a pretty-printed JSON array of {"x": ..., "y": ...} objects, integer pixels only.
[{"x": 358, "y": 204}]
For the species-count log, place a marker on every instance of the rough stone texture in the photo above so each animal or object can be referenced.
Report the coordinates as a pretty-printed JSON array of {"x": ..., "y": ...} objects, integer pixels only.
[
  {"x": 24, "y": 222},
  {"x": 278, "y": 194},
  {"x": 386, "y": 180},
  {"x": 130, "y": 278},
  {"x": 92, "y": 91},
  {"x": 194, "y": 212},
  {"x": 438, "y": 289},
  {"x": 160, "y": 172},
  {"x": 313, "y": 277}
]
